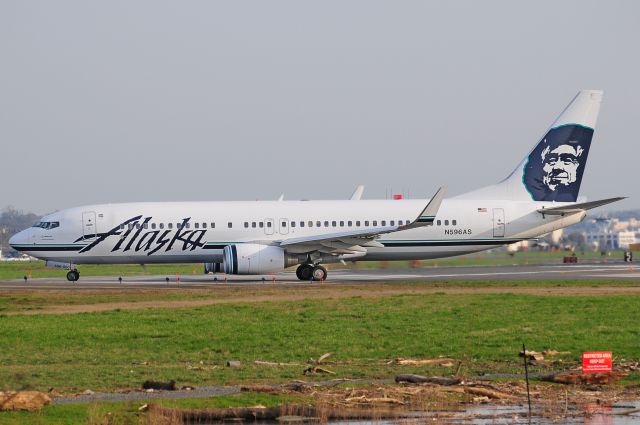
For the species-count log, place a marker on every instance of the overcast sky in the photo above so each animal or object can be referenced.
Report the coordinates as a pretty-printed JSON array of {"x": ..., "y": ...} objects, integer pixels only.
[{"x": 121, "y": 101}]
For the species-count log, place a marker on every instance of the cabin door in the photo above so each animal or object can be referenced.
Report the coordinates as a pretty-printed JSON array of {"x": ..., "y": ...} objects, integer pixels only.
[
  {"x": 498, "y": 223},
  {"x": 89, "y": 224}
]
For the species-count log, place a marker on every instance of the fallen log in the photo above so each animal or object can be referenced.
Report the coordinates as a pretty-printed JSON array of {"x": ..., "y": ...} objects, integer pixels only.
[
  {"x": 272, "y": 413},
  {"x": 577, "y": 377},
  {"x": 487, "y": 392},
  {"x": 159, "y": 385},
  {"x": 267, "y": 389},
  {"x": 23, "y": 400},
  {"x": 438, "y": 362},
  {"x": 313, "y": 370},
  {"x": 263, "y": 363},
  {"x": 419, "y": 379}
]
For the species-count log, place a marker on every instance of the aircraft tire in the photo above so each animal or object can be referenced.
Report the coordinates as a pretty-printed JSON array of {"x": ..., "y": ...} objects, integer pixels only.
[
  {"x": 304, "y": 272},
  {"x": 73, "y": 276},
  {"x": 319, "y": 273}
]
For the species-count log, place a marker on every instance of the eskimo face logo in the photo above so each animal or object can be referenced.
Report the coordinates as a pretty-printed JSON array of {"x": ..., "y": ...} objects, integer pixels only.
[
  {"x": 560, "y": 165},
  {"x": 555, "y": 167}
]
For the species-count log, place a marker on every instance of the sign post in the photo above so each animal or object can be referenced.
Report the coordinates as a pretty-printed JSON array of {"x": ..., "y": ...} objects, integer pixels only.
[{"x": 597, "y": 361}]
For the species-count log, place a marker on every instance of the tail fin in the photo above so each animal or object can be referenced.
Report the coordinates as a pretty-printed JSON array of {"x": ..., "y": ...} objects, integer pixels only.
[{"x": 553, "y": 170}]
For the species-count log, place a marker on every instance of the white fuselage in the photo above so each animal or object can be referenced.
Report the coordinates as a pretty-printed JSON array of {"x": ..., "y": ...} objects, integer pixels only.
[{"x": 187, "y": 232}]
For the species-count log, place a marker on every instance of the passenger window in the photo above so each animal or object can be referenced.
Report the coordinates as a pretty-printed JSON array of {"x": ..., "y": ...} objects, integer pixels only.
[
  {"x": 342, "y": 224},
  {"x": 196, "y": 225},
  {"x": 188, "y": 225},
  {"x": 284, "y": 224},
  {"x": 253, "y": 224},
  {"x": 454, "y": 222},
  {"x": 153, "y": 225},
  {"x": 293, "y": 224},
  {"x": 326, "y": 224},
  {"x": 375, "y": 222},
  {"x": 391, "y": 223},
  {"x": 318, "y": 224},
  {"x": 204, "y": 225},
  {"x": 384, "y": 223},
  {"x": 213, "y": 225},
  {"x": 170, "y": 225},
  {"x": 162, "y": 225},
  {"x": 439, "y": 223},
  {"x": 310, "y": 223},
  {"x": 446, "y": 222},
  {"x": 261, "y": 224},
  {"x": 366, "y": 223},
  {"x": 121, "y": 227},
  {"x": 334, "y": 224},
  {"x": 229, "y": 225},
  {"x": 357, "y": 223},
  {"x": 302, "y": 224},
  {"x": 268, "y": 224},
  {"x": 349, "y": 223},
  {"x": 246, "y": 224},
  {"x": 399, "y": 222}
]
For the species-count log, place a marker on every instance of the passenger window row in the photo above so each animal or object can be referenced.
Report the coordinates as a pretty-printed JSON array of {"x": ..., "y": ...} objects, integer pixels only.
[
  {"x": 446, "y": 222},
  {"x": 269, "y": 224}
]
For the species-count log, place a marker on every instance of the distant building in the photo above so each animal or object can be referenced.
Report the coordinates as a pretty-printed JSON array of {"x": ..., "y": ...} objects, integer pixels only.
[{"x": 625, "y": 239}]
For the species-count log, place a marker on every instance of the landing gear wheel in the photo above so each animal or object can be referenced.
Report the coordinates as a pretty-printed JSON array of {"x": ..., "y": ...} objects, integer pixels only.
[
  {"x": 304, "y": 272},
  {"x": 73, "y": 276},
  {"x": 319, "y": 273}
]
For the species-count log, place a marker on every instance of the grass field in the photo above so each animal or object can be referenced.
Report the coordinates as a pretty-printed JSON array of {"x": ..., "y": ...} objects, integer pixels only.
[
  {"x": 36, "y": 269},
  {"x": 102, "y": 351},
  {"x": 364, "y": 325}
]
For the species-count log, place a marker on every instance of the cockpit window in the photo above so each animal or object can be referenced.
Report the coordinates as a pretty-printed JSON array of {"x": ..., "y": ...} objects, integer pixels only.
[{"x": 47, "y": 225}]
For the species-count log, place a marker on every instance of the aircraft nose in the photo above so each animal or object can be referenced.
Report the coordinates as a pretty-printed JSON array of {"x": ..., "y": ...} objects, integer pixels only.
[{"x": 16, "y": 239}]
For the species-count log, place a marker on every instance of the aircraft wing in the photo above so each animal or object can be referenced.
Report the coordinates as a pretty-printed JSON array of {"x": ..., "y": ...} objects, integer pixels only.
[
  {"x": 574, "y": 208},
  {"x": 357, "y": 241}
]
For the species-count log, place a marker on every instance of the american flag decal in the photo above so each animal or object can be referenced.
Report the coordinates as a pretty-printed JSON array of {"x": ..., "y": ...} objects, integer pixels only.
[{"x": 482, "y": 210}]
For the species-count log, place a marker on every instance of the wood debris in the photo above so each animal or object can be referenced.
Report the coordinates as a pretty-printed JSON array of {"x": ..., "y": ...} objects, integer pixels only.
[
  {"x": 577, "y": 377},
  {"x": 443, "y": 361},
  {"x": 419, "y": 379},
  {"x": 264, "y": 363},
  {"x": 159, "y": 385},
  {"x": 314, "y": 370}
]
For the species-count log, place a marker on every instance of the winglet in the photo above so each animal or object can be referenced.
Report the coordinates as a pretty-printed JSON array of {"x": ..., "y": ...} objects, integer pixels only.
[
  {"x": 357, "y": 194},
  {"x": 427, "y": 215}
]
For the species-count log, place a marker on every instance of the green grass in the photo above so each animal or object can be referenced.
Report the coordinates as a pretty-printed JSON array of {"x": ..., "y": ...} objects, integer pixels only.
[
  {"x": 127, "y": 412},
  {"x": 100, "y": 351}
]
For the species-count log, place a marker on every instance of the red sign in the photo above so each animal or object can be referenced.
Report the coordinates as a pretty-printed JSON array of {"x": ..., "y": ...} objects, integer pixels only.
[
  {"x": 397, "y": 197},
  {"x": 597, "y": 361}
]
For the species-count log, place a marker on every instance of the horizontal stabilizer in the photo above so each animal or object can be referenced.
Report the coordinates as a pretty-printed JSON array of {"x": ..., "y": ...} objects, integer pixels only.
[{"x": 574, "y": 208}]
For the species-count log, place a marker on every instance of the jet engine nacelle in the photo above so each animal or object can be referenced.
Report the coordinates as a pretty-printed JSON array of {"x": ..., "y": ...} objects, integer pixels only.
[{"x": 255, "y": 259}]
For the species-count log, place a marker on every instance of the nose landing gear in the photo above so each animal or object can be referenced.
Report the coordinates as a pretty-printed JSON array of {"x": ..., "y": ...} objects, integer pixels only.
[
  {"x": 311, "y": 272},
  {"x": 73, "y": 275}
]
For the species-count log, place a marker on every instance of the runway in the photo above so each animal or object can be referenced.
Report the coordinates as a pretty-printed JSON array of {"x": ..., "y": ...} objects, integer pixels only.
[{"x": 574, "y": 272}]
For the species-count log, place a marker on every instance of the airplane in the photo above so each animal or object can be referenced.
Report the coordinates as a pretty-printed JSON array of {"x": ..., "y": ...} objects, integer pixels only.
[{"x": 263, "y": 237}]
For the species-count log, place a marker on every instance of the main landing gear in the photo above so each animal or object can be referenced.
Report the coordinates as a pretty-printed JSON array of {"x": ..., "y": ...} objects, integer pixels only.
[
  {"x": 311, "y": 272},
  {"x": 73, "y": 275}
]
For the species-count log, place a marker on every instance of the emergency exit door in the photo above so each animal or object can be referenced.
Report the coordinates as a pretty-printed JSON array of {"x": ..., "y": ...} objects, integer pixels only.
[
  {"x": 498, "y": 223},
  {"x": 89, "y": 225}
]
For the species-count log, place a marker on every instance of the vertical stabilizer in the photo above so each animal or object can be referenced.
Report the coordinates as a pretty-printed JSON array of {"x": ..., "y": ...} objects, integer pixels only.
[{"x": 553, "y": 170}]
